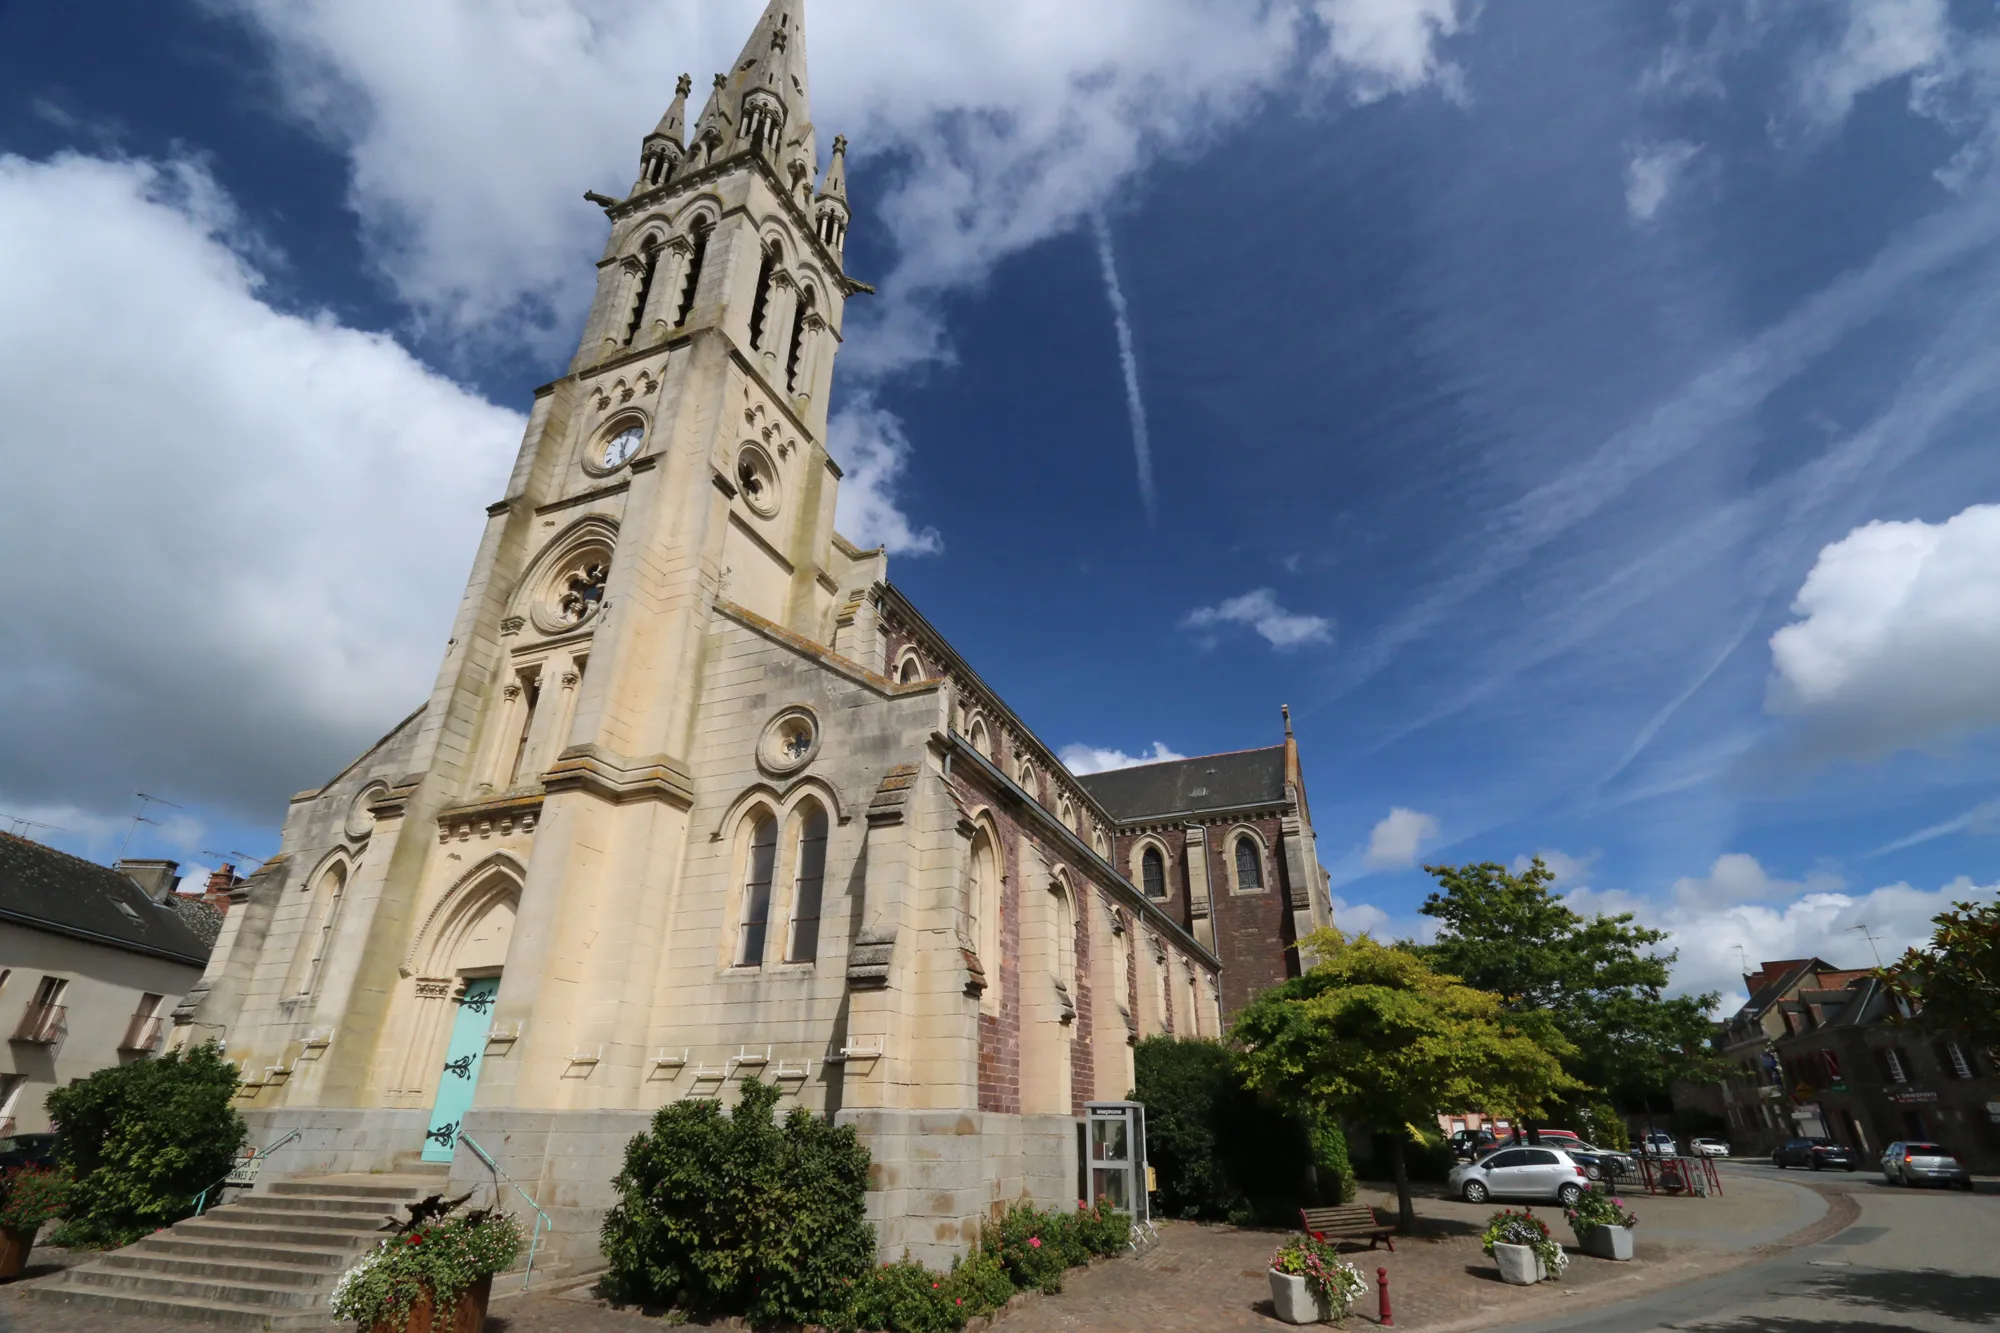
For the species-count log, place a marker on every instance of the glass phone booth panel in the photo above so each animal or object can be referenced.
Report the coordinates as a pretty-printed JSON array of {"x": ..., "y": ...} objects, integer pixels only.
[{"x": 1114, "y": 1165}]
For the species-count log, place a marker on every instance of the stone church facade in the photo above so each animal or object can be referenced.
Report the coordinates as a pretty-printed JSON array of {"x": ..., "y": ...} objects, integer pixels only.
[{"x": 698, "y": 795}]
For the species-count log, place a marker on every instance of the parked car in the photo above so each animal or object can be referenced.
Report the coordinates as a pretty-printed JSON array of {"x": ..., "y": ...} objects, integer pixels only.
[
  {"x": 27, "y": 1150},
  {"x": 1817, "y": 1153},
  {"x": 1659, "y": 1144},
  {"x": 1923, "y": 1164},
  {"x": 1602, "y": 1163},
  {"x": 1467, "y": 1144},
  {"x": 1521, "y": 1173},
  {"x": 1708, "y": 1147}
]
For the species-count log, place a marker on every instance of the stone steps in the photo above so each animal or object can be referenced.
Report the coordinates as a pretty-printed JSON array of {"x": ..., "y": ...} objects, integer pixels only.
[{"x": 269, "y": 1260}]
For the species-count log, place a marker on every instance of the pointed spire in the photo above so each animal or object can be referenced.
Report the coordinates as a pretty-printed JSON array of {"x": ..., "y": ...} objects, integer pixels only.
[
  {"x": 834, "y": 187},
  {"x": 673, "y": 125},
  {"x": 773, "y": 63}
]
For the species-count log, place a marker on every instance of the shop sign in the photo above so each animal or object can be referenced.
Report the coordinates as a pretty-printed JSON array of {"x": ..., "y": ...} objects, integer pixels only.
[{"x": 1911, "y": 1097}]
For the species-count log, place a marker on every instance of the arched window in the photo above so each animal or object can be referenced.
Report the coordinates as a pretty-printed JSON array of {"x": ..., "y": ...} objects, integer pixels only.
[
  {"x": 1066, "y": 938},
  {"x": 806, "y": 303},
  {"x": 1024, "y": 777},
  {"x": 316, "y": 941},
  {"x": 1249, "y": 864},
  {"x": 912, "y": 671},
  {"x": 983, "y": 907},
  {"x": 1153, "y": 872},
  {"x": 702, "y": 229},
  {"x": 760, "y": 307},
  {"x": 1068, "y": 815},
  {"x": 808, "y": 885},
  {"x": 649, "y": 260},
  {"x": 757, "y": 870},
  {"x": 982, "y": 741}
]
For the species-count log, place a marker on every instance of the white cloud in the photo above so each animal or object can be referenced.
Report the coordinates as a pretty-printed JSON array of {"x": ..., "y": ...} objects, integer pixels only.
[
  {"x": 873, "y": 451},
  {"x": 472, "y": 127},
  {"x": 1899, "y": 636},
  {"x": 1091, "y": 759},
  {"x": 238, "y": 534},
  {"x": 1570, "y": 871},
  {"x": 1399, "y": 839},
  {"x": 1880, "y": 41},
  {"x": 1259, "y": 610},
  {"x": 1368, "y": 919},
  {"x": 1981, "y": 820},
  {"x": 1739, "y": 903},
  {"x": 1652, "y": 173}
]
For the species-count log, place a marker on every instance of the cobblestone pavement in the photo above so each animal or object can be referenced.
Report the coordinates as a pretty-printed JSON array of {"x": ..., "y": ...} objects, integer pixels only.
[{"x": 1211, "y": 1279}]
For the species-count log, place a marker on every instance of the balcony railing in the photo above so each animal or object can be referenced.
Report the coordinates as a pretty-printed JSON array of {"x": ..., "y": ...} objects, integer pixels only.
[
  {"x": 144, "y": 1034},
  {"x": 43, "y": 1024}
]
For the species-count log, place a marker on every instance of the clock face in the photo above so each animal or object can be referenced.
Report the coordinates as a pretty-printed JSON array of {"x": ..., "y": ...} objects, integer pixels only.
[{"x": 622, "y": 446}]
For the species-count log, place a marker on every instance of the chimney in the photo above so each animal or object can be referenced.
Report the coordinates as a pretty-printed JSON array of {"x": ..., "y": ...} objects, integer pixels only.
[
  {"x": 157, "y": 878},
  {"x": 220, "y": 881}
]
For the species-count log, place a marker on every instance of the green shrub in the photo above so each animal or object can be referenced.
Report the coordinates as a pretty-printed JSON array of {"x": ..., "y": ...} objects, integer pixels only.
[
  {"x": 140, "y": 1141},
  {"x": 1033, "y": 1246},
  {"x": 1102, "y": 1230},
  {"x": 1334, "y": 1170},
  {"x": 1220, "y": 1151},
  {"x": 736, "y": 1214},
  {"x": 981, "y": 1281},
  {"x": 1601, "y": 1126}
]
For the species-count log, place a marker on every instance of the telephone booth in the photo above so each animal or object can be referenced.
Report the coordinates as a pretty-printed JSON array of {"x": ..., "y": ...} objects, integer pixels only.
[{"x": 1113, "y": 1160}]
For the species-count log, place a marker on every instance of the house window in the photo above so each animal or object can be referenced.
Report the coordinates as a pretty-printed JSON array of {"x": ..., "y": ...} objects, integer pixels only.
[
  {"x": 1153, "y": 870},
  {"x": 1249, "y": 865},
  {"x": 804, "y": 946},
  {"x": 757, "y": 892},
  {"x": 143, "y": 1032}
]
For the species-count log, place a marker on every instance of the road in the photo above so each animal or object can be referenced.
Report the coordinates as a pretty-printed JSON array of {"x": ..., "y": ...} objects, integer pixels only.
[{"x": 1913, "y": 1259}]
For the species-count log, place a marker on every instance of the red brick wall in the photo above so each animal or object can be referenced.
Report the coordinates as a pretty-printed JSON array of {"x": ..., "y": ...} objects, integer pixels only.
[{"x": 1253, "y": 931}]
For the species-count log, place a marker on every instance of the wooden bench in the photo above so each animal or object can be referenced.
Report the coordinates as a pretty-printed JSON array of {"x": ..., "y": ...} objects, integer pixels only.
[{"x": 1355, "y": 1221}]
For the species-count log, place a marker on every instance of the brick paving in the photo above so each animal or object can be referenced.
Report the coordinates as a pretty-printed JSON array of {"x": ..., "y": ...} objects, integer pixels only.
[{"x": 1205, "y": 1278}]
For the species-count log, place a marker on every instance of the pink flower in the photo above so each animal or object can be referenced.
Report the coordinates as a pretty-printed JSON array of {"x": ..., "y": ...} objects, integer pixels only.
[{"x": 1035, "y": 1241}]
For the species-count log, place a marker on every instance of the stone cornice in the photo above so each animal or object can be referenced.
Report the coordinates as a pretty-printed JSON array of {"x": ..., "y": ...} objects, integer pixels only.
[{"x": 619, "y": 779}]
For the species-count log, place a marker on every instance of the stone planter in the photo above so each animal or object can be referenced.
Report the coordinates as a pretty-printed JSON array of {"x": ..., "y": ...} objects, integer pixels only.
[
  {"x": 14, "y": 1247},
  {"x": 1607, "y": 1242},
  {"x": 469, "y": 1317},
  {"x": 1293, "y": 1299},
  {"x": 1519, "y": 1265}
]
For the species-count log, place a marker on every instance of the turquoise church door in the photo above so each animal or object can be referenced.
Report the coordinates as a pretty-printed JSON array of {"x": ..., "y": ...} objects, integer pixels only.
[{"x": 460, "y": 1074}]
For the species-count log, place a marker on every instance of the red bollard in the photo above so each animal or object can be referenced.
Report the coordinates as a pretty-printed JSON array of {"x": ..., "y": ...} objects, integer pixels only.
[{"x": 1388, "y": 1319}]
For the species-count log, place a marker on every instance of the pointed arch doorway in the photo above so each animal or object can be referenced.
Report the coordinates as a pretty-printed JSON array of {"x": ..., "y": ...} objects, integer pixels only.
[{"x": 457, "y": 962}]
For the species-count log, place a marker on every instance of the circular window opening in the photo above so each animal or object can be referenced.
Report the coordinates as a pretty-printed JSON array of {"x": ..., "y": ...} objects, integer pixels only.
[
  {"x": 361, "y": 819},
  {"x": 574, "y": 592},
  {"x": 790, "y": 741},
  {"x": 757, "y": 479}
]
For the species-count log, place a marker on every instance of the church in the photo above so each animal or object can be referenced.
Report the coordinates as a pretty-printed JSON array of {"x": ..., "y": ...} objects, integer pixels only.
[{"x": 699, "y": 796}]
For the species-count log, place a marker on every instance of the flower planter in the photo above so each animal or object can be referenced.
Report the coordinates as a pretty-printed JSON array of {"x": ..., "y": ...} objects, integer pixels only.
[
  {"x": 1607, "y": 1242},
  {"x": 1292, "y": 1297},
  {"x": 468, "y": 1317},
  {"x": 1519, "y": 1265},
  {"x": 14, "y": 1246}
]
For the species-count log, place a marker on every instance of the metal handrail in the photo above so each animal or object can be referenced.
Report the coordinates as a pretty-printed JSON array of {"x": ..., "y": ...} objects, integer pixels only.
[
  {"x": 541, "y": 1217},
  {"x": 201, "y": 1199}
]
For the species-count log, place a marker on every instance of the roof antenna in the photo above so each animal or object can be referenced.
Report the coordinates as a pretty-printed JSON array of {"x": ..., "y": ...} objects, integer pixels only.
[
  {"x": 140, "y": 818},
  {"x": 1869, "y": 935}
]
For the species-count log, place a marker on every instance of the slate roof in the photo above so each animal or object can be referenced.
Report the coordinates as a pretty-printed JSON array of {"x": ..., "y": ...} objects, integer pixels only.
[
  {"x": 45, "y": 889},
  {"x": 1190, "y": 786}
]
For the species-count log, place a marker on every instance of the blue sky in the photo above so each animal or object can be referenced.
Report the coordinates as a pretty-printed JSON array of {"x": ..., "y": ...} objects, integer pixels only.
[{"x": 1582, "y": 416}]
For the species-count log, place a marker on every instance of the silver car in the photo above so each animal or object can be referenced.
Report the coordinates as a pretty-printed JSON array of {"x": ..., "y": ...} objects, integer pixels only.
[
  {"x": 1923, "y": 1164},
  {"x": 1521, "y": 1173}
]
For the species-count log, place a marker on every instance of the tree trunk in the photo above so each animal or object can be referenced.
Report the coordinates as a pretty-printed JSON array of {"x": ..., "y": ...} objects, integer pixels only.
[{"x": 1406, "y": 1208}]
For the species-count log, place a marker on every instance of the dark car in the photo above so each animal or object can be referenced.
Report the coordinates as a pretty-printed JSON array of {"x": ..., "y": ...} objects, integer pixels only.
[
  {"x": 1467, "y": 1144},
  {"x": 1602, "y": 1163},
  {"x": 27, "y": 1150},
  {"x": 1816, "y": 1153}
]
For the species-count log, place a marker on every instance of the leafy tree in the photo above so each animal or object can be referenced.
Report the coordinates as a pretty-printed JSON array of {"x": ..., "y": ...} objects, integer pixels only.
[
  {"x": 1956, "y": 978},
  {"x": 1600, "y": 980},
  {"x": 142, "y": 1140},
  {"x": 1372, "y": 1035}
]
